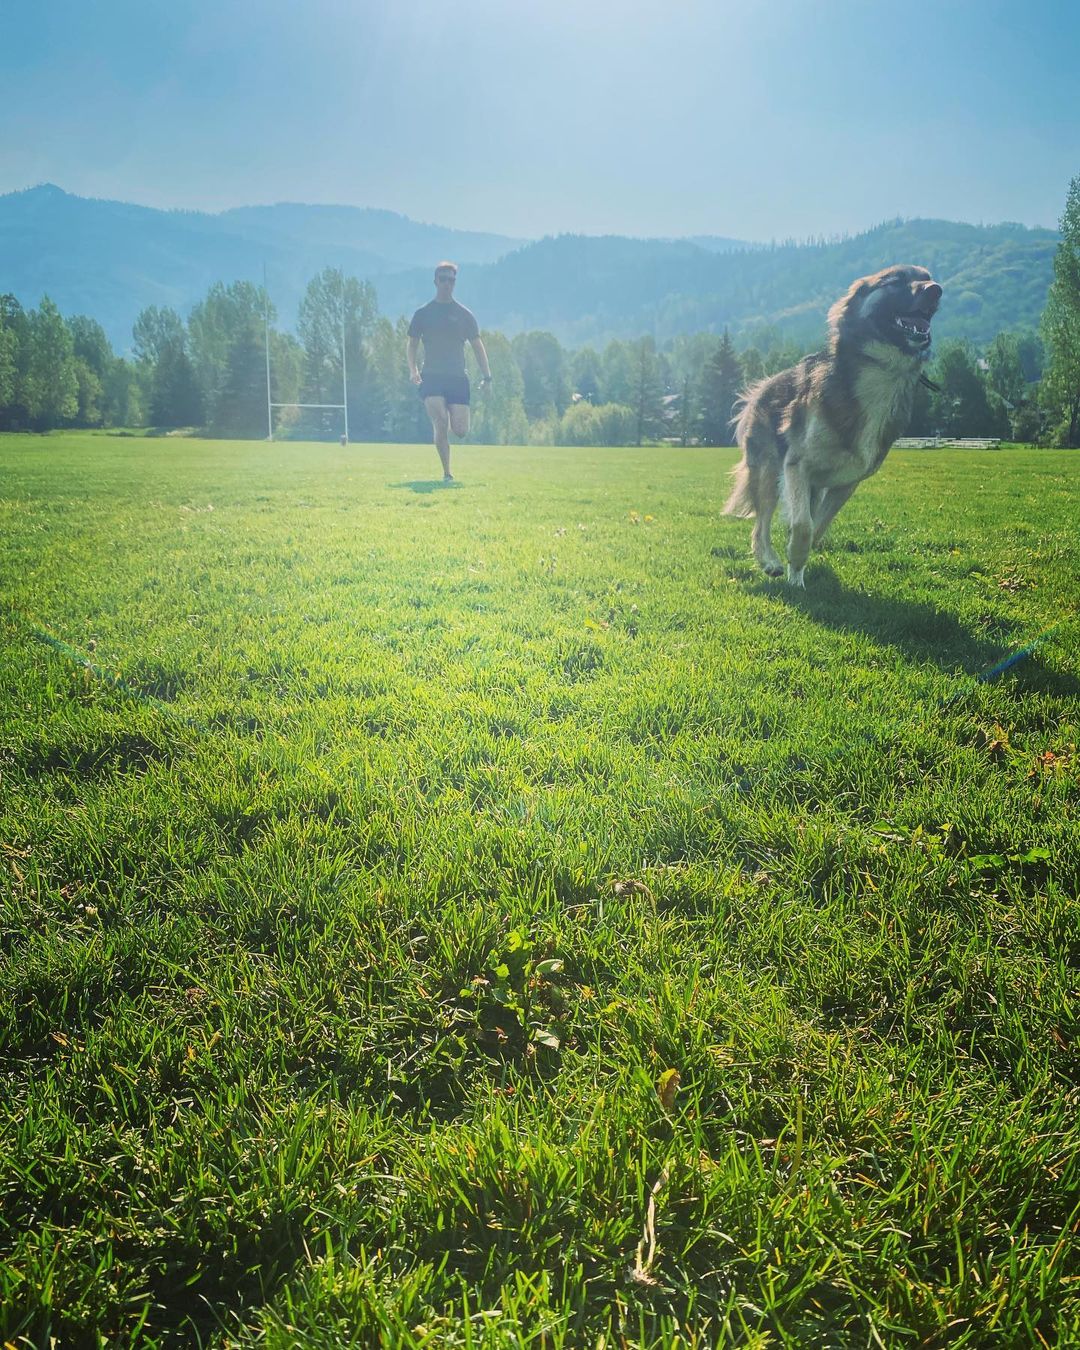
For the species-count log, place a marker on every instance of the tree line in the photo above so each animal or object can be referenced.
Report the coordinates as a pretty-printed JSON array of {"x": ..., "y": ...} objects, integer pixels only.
[{"x": 210, "y": 372}]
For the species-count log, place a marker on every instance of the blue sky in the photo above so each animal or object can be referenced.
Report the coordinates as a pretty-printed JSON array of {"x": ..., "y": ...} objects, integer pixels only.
[{"x": 762, "y": 119}]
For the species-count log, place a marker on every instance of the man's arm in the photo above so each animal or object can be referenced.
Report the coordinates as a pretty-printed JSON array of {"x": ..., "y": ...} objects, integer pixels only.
[
  {"x": 410, "y": 355},
  {"x": 479, "y": 351}
]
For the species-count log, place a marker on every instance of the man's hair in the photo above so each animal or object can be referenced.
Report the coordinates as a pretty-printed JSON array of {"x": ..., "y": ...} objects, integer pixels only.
[{"x": 446, "y": 267}]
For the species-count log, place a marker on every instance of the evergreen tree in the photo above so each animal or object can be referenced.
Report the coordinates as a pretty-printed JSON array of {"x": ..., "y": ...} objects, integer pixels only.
[
  {"x": 175, "y": 397},
  {"x": 722, "y": 381},
  {"x": 648, "y": 391},
  {"x": 1061, "y": 328},
  {"x": 240, "y": 410}
]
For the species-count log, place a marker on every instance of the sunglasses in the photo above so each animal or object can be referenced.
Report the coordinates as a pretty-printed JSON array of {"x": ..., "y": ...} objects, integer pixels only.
[{"x": 445, "y": 276}]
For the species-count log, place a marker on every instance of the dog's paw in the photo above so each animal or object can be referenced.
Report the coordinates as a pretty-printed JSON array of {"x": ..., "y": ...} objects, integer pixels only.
[{"x": 795, "y": 577}]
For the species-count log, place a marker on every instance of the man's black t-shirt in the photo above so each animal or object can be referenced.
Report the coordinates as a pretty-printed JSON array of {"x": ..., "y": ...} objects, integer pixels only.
[{"x": 445, "y": 328}]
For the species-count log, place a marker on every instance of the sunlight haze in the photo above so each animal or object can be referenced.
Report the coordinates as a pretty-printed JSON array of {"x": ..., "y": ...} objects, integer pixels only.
[{"x": 749, "y": 120}]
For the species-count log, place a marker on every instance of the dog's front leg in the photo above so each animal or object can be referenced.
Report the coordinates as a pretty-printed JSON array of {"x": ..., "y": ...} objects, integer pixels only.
[
  {"x": 801, "y": 533},
  {"x": 832, "y": 501}
]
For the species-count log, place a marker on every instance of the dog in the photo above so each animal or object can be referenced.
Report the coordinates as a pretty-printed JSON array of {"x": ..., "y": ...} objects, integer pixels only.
[{"x": 814, "y": 432}]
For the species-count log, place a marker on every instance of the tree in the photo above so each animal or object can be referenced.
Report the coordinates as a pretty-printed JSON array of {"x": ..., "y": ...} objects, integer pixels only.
[
  {"x": 962, "y": 408},
  {"x": 175, "y": 397},
  {"x": 1032, "y": 355},
  {"x": 93, "y": 358},
  {"x": 229, "y": 316},
  {"x": 122, "y": 395},
  {"x": 542, "y": 363},
  {"x": 753, "y": 366},
  {"x": 1005, "y": 369},
  {"x": 90, "y": 344},
  {"x": 586, "y": 374},
  {"x": 617, "y": 378},
  {"x": 1061, "y": 328},
  {"x": 8, "y": 366},
  {"x": 647, "y": 398},
  {"x": 240, "y": 408},
  {"x": 50, "y": 381},
  {"x": 721, "y": 383},
  {"x": 499, "y": 412},
  {"x": 331, "y": 300},
  {"x": 689, "y": 411},
  {"x": 396, "y": 404},
  {"x": 153, "y": 330}
]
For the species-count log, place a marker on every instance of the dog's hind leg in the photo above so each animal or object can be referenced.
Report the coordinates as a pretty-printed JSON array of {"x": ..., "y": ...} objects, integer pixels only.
[
  {"x": 756, "y": 493},
  {"x": 764, "y": 486}
]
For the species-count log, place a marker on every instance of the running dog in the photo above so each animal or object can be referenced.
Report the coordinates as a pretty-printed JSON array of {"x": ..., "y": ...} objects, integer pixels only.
[{"x": 817, "y": 430}]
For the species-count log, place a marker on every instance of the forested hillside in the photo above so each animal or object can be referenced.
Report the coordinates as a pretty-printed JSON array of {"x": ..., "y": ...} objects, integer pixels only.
[{"x": 588, "y": 290}]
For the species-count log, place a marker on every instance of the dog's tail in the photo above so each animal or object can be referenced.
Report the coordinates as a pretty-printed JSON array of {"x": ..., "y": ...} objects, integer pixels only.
[{"x": 741, "y": 503}]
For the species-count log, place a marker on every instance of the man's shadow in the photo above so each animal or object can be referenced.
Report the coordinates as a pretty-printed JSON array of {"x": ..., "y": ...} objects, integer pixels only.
[
  {"x": 425, "y": 485},
  {"x": 922, "y": 632}
]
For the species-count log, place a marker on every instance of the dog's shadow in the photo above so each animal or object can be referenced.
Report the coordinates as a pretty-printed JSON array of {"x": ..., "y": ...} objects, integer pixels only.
[
  {"x": 426, "y": 485},
  {"x": 921, "y": 631}
]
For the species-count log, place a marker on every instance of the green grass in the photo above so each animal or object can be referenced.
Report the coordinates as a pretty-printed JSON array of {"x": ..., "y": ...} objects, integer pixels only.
[{"x": 372, "y": 850}]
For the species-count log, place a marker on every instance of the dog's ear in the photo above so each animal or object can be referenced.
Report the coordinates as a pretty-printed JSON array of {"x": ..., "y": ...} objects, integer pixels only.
[{"x": 848, "y": 308}]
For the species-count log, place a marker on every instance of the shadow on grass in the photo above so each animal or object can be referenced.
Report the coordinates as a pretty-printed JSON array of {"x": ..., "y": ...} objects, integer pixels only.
[
  {"x": 922, "y": 632},
  {"x": 425, "y": 485}
]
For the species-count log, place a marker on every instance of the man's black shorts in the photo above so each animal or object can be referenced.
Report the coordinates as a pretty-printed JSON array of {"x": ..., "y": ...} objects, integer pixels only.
[{"x": 453, "y": 388}]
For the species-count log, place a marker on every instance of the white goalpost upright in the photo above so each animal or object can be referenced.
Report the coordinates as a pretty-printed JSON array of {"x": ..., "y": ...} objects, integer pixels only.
[{"x": 343, "y": 406}]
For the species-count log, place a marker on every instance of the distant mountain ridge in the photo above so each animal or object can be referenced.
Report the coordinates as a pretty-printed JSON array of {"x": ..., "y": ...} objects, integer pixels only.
[{"x": 110, "y": 259}]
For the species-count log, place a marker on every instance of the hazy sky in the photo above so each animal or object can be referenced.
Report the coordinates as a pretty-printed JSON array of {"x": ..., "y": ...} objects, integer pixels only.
[{"x": 760, "y": 119}]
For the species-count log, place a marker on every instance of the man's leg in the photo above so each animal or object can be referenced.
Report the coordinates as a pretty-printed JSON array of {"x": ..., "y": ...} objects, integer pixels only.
[
  {"x": 459, "y": 418},
  {"x": 440, "y": 421}
]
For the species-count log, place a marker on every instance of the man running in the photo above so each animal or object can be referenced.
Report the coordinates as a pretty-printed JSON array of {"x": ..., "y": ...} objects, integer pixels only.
[{"x": 444, "y": 327}]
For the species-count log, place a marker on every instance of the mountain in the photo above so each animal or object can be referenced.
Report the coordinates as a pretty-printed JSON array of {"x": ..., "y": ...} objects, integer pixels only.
[
  {"x": 110, "y": 259},
  {"x": 587, "y": 290}
]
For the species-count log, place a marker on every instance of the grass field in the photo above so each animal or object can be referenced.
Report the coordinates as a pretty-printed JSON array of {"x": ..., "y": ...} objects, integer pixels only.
[{"x": 496, "y": 916}]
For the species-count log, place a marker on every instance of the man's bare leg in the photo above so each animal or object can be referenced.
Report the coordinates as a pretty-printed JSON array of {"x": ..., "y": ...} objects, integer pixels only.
[{"x": 440, "y": 421}]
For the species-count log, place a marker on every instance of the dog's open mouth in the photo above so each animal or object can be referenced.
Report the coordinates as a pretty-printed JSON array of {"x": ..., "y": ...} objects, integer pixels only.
[{"x": 916, "y": 328}]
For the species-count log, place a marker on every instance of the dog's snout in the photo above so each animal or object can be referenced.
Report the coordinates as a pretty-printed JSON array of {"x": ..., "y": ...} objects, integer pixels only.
[{"x": 930, "y": 292}]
